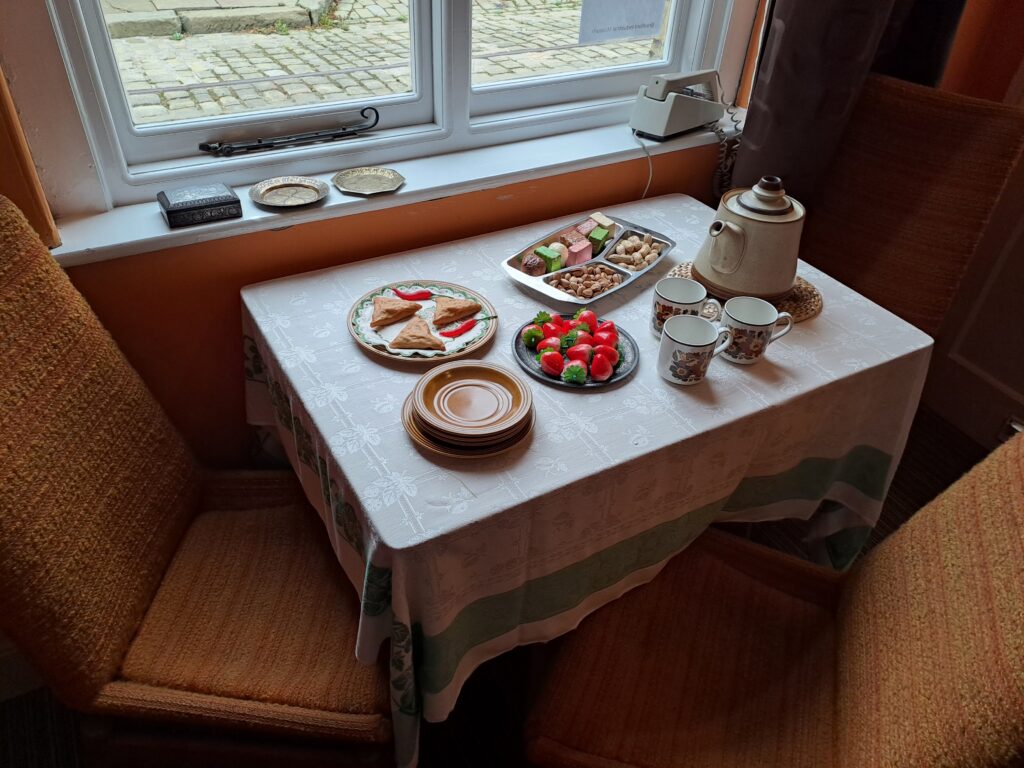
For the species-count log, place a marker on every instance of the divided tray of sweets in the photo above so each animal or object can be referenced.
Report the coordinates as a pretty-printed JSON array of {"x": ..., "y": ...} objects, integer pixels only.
[
  {"x": 421, "y": 320},
  {"x": 588, "y": 259}
]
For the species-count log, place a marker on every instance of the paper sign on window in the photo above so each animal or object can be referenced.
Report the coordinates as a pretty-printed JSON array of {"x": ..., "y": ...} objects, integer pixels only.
[{"x": 606, "y": 20}]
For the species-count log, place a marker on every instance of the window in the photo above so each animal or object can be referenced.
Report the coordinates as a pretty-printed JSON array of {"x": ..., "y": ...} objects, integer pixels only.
[{"x": 155, "y": 78}]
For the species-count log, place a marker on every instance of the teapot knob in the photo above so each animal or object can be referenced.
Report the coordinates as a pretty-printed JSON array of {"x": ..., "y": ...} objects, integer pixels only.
[
  {"x": 767, "y": 197},
  {"x": 769, "y": 189}
]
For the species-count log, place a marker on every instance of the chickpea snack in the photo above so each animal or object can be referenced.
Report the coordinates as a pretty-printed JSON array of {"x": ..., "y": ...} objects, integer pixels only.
[{"x": 587, "y": 282}]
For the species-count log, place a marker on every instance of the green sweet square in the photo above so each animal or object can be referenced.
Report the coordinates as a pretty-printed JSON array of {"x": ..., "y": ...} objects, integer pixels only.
[
  {"x": 597, "y": 237},
  {"x": 552, "y": 258}
]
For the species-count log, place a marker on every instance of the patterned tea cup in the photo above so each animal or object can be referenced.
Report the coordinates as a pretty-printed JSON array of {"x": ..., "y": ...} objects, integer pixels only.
[
  {"x": 754, "y": 324},
  {"x": 679, "y": 296},
  {"x": 687, "y": 345}
]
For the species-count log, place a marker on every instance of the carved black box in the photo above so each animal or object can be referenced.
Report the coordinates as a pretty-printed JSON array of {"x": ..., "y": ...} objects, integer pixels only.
[{"x": 200, "y": 204}]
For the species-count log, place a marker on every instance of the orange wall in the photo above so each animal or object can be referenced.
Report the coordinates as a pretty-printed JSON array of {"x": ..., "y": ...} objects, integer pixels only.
[
  {"x": 18, "y": 179},
  {"x": 753, "y": 47},
  {"x": 176, "y": 312},
  {"x": 988, "y": 49}
]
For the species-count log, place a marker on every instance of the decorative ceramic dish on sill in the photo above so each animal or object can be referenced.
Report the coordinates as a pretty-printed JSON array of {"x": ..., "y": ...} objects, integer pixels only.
[
  {"x": 288, "y": 191},
  {"x": 368, "y": 181}
]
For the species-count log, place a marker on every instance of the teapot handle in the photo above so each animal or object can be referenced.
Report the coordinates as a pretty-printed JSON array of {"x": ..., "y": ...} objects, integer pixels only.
[{"x": 726, "y": 258}]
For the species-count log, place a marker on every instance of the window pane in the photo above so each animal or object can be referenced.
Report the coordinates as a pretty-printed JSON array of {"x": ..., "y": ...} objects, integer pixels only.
[
  {"x": 188, "y": 59},
  {"x": 525, "y": 39}
]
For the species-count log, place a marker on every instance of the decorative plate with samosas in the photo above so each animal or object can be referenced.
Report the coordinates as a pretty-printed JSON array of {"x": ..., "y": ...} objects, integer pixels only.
[{"x": 417, "y": 320}]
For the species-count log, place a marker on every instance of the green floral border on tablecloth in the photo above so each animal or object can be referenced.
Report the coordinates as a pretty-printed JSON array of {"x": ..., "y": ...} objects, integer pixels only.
[
  {"x": 376, "y": 590},
  {"x": 255, "y": 370},
  {"x": 405, "y": 696}
]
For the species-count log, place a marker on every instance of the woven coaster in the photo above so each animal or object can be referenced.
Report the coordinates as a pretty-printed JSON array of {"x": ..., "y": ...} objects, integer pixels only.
[{"x": 803, "y": 302}]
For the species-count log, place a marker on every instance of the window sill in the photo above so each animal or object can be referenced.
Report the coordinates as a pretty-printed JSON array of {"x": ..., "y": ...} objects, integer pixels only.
[{"x": 140, "y": 228}]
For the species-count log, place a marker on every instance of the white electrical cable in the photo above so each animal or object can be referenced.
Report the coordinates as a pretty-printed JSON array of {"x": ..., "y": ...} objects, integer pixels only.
[{"x": 650, "y": 164}]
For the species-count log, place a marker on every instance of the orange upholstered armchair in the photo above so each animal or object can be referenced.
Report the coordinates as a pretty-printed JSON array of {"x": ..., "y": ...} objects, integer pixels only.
[
  {"x": 903, "y": 206},
  {"x": 738, "y": 656},
  {"x": 137, "y": 584}
]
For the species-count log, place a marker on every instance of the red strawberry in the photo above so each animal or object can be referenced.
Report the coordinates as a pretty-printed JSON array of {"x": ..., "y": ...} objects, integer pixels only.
[
  {"x": 601, "y": 368},
  {"x": 531, "y": 335},
  {"x": 551, "y": 363},
  {"x": 610, "y": 338},
  {"x": 582, "y": 337},
  {"x": 587, "y": 316},
  {"x": 551, "y": 342},
  {"x": 580, "y": 352},
  {"x": 610, "y": 352},
  {"x": 575, "y": 372}
]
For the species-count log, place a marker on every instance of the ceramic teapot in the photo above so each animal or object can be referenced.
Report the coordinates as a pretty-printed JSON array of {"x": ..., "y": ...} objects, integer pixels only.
[{"x": 752, "y": 245}]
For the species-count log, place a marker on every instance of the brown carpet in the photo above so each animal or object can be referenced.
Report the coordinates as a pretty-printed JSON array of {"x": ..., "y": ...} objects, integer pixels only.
[{"x": 485, "y": 729}]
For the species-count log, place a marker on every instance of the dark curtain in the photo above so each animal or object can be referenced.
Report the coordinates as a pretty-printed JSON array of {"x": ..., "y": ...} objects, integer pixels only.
[{"x": 814, "y": 62}]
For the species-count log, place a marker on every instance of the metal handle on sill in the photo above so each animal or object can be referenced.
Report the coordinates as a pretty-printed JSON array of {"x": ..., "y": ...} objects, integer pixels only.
[{"x": 229, "y": 148}]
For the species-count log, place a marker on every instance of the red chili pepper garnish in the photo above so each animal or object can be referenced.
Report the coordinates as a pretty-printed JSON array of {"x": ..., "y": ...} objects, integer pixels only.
[
  {"x": 459, "y": 330},
  {"x": 413, "y": 295}
]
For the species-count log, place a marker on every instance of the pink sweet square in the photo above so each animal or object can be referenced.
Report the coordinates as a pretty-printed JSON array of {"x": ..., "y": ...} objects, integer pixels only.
[
  {"x": 580, "y": 252},
  {"x": 570, "y": 236}
]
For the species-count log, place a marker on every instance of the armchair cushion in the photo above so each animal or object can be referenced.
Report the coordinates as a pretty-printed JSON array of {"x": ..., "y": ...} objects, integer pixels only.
[{"x": 255, "y": 613}]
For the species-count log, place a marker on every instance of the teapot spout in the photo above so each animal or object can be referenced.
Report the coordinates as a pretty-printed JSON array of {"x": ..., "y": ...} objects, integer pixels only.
[{"x": 727, "y": 253}]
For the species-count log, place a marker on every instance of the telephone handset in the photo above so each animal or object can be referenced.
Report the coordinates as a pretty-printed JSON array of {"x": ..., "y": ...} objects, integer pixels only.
[{"x": 673, "y": 103}]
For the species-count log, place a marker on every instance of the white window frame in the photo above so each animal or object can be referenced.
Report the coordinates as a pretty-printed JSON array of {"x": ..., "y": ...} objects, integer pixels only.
[{"x": 706, "y": 33}]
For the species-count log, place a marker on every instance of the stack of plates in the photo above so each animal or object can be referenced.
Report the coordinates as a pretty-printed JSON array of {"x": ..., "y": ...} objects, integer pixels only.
[{"x": 469, "y": 409}]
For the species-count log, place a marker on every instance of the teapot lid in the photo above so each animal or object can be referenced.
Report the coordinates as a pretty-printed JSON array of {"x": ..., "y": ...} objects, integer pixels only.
[{"x": 767, "y": 197}]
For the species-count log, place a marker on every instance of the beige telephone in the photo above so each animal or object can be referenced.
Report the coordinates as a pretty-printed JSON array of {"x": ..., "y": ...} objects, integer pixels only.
[{"x": 673, "y": 103}]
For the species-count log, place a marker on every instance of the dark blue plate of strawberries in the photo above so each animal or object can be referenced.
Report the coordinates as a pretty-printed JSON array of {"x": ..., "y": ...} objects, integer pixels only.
[{"x": 581, "y": 352}]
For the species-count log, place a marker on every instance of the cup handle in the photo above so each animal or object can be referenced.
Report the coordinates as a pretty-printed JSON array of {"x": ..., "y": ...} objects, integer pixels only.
[
  {"x": 723, "y": 342},
  {"x": 788, "y": 320},
  {"x": 715, "y": 304}
]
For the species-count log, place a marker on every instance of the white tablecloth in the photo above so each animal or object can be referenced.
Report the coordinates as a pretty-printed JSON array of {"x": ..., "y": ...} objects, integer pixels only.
[{"x": 458, "y": 561}]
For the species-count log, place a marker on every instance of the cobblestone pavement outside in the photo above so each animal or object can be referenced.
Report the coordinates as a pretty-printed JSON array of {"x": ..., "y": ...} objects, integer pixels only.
[{"x": 358, "y": 52}]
